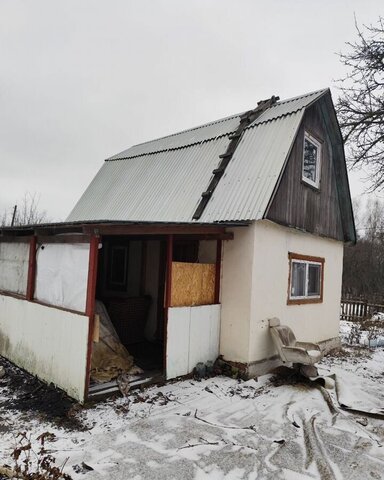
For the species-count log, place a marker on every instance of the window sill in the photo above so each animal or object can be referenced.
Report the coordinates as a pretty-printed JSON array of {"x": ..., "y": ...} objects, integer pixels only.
[
  {"x": 303, "y": 301},
  {"x": 310, "y": 185}
]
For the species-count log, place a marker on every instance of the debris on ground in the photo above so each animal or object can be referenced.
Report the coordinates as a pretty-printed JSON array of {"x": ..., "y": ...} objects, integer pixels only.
[
  {"x": 26, "y": 393},
  {"x": 280, "y": 426}
]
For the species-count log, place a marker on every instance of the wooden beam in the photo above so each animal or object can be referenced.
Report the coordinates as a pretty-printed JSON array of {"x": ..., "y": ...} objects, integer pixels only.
[
  {"x": 57, "y": 229},
  {"x": 31, "y": 269},
  {"x": 220, "y": 236},
  {"x": 13, "y": 239},
  {"x": 70, "y": 238},
  {"x": 218, "y": 270},
  {"x": 169, "y": 271},
  {"x": 168, "y": 292},
  {"x": 90, "y": 304},
  {"x": 92, "y": 276},
  {"x": 153, "y": 229}
]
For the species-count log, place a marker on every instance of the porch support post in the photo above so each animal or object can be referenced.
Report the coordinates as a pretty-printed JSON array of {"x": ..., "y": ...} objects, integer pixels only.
[
  {"x": 168, "y": 291},
  {"x": 92, "y": 276},
  {"x": 219, "y": 249},
  {"x": 169, "y": 271},
  {"x": 31, "y": 269},
  {"x": 90, "y": 304}
]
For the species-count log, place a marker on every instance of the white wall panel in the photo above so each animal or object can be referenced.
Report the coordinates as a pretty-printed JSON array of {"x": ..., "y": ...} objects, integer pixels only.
[
  {"x": 45, "y": 341},
  {"x": 62, "y": 275},
  {"x": 193, "y": 337},
  {"x": 204, "y": 334},
  {"x": 14, "y": 258},
  {"x": 312, "y": 322},
  {"x": 178, "y": 341}
]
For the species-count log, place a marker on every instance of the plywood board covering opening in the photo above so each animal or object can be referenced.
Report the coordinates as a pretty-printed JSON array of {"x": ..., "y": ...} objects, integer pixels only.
[{"x": 192, "y": 284}]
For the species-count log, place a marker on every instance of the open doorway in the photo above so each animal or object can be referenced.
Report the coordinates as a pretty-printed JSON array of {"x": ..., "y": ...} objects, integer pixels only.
[{"x": 130, "y": 303}]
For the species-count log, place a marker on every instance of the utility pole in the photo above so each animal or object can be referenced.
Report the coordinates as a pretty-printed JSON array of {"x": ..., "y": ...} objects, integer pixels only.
[{"x": 14, "y": 215}]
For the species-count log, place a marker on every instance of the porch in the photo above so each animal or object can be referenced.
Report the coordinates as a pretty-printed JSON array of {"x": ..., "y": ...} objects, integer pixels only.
[{"x": 159, "y": 286}]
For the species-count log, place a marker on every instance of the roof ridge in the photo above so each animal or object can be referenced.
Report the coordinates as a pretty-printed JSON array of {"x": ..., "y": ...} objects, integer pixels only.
[
  {"x": 260, "y": 121},
  {"x": 292, "y": 99},
  {"x": 214, "y": 122},
  {"x": 124, "y": 154},
  {"x": 168, "y": 149}
]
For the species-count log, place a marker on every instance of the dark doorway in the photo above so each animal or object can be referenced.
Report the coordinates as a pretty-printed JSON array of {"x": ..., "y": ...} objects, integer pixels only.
[{"x": 131, "y": 284}]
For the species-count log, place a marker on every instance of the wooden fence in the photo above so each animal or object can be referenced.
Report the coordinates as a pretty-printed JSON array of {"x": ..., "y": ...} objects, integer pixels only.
[{"x": 355, "y": 310}]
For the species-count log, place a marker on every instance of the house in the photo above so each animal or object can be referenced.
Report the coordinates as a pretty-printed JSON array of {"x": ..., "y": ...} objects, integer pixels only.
[{"x": 189, "y": 244}]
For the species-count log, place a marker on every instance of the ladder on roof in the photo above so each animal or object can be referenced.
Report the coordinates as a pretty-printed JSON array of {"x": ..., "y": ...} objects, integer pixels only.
[{"x": 245, "y": 120}]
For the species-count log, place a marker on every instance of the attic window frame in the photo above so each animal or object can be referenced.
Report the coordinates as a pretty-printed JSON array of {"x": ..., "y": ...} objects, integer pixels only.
[
  {"x": 307, "y": 260},
  {"x": 317, "y": 143}
]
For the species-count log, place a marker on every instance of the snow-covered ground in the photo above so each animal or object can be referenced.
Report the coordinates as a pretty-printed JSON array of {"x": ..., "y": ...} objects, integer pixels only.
[{"x": 278, "y": 427}]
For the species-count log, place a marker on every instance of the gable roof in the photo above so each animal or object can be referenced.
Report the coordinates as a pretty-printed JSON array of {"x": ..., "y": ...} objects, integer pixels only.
[{"x": 163, "y": 180}]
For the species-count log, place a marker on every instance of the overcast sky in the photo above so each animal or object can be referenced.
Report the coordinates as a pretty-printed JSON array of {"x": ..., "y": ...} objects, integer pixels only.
[{"x": 81, "y": 80}]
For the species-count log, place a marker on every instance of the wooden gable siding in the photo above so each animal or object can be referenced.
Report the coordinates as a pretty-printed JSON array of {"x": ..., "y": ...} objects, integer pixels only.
[{"x": 299, "y": 205}]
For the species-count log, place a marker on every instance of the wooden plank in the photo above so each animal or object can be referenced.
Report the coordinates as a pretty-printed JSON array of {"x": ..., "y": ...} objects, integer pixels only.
[
  {"x": 219, "y": 247},
  {"x": 96, "y": 329},
  {"x": 90, "y": 304},
  {"x": 297, "y": 204},
  {"x": 193, "y": 284},
  {"x": 15, "y": 239},
  {"x": 67, "y": 238},
  {"x": 169, "y": 272},
  {"x": 102, "y": 229},
  {"x": 167, "y": 296}
]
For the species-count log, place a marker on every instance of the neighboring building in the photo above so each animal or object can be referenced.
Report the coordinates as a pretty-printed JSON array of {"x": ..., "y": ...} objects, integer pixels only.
[{"x": 192, "y": 242}]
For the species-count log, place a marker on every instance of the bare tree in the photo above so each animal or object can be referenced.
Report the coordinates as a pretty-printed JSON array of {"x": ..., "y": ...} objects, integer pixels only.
[
  {"x": 360, "y": 107},
  {"x": 27, "y": 212},
  {"x": 363, "y": 273}
]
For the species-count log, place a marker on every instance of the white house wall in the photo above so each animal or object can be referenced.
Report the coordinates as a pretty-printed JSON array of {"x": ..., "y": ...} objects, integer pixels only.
[
  {"x": 236, "y": 292},
  {"x": 14, "y": 259},
  {"x": 45, "y": 341},
  {"x": 254, "y": 288},
  {"x": 314, "y": 322},
  {"x": 62, "y": 275},
  {"x": 192, "y": 337}
]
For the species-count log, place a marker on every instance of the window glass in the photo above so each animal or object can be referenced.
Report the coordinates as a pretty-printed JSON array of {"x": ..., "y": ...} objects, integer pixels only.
[
  {"x": 298, "y": 279},
  {"x": 306, "y": 278},
  {"x": 310, "y": 161},
  {"x": 313, "y": 279}
]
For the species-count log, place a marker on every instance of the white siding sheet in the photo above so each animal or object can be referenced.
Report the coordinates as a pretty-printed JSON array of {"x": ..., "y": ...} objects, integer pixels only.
[
  {"x": 192, "y": 337},
  {"x": 14, "y": 258},
  {"x": 45, "y": 341},
  {"x": 62, "y": 275},
  {"x": 179, "y": 320}
]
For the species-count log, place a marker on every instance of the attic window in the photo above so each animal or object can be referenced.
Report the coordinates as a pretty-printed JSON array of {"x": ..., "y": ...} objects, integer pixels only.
[
  {"x": 311, "y": 161},
  {"x": 305, "y": 279}
]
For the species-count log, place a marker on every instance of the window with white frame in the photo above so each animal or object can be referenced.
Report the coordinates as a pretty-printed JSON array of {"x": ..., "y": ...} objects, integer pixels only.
[
  {"x": 311, "y": 161},
  {"x": 305, "y": 279}
]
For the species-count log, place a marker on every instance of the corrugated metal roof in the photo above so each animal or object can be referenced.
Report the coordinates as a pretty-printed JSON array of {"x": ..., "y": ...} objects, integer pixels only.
[
  {"x": 289, "y": 106},
  {"x": 192, "y": 136},
  {"x": 162, "y": 180},
  {"x": 250, "y": 178},
  {"x": 163, "y": 187}
]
